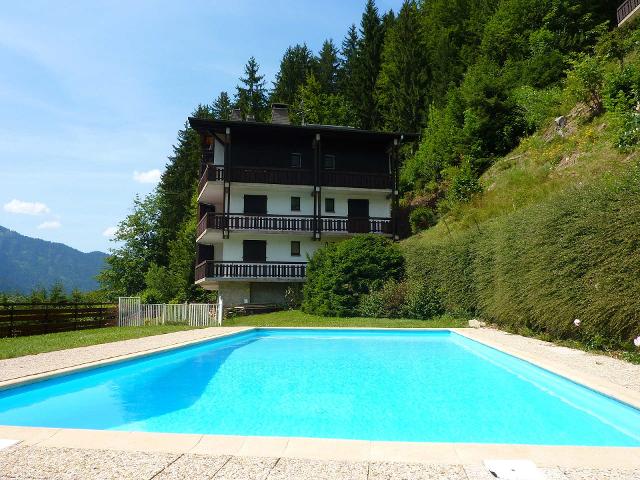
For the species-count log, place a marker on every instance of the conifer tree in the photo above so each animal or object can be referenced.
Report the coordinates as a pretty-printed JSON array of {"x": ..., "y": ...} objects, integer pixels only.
[
  {"x": 327, "y": 67},
  {"x": 221, "y": 108},
  {"x": 347, "y": 82},
  {"x": 251, "y": 94},
  {"x": 297, "y": 62},
  {"x": 404, "y": 75},
  {"x": 367, "y": 65}
]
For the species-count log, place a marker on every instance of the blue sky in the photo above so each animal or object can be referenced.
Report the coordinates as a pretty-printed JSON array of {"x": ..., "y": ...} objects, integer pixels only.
[{"x": 92, "y": 95}]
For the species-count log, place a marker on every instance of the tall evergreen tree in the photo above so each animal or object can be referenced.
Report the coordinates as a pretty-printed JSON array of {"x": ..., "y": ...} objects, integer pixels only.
[
  {"x": 296, "y": 63},
  {"x": 221, "y": 108},
  {"x": 327, "y": 67},
  {"x": 347, "y": 82},
  {"x": 251, "y": 94},
  {"x": 367, "y": 65},
  {"x": 404, "y": 75}
]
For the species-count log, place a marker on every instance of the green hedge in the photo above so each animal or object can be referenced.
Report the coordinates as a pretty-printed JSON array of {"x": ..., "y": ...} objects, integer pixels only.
[{"x": 575, "y": 255}]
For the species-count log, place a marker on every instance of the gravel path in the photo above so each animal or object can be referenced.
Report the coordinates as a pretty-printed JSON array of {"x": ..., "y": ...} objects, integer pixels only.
[
  {"x": 40, "y": 463},
  {"x": 13, "y": 368},
  {"x": 617, "y": 371}
]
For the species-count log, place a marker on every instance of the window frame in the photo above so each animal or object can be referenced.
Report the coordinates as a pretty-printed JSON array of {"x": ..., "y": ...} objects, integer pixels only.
[
  {"x": 298, "y": 248},
  {"x": 333, "y": 205},
  {"x": 292, "y": 164},
  {"x": 332, "y": 164}
]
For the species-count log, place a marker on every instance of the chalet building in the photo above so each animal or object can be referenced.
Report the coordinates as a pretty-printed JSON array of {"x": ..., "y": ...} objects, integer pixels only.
[
  {"x": 628, "y": 11},
  {"x": 270, "y": 194}
]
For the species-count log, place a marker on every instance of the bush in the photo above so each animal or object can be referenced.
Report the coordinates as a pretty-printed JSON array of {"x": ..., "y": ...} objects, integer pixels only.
[
  {"x": 415, "y": 300},
  {"x": 421, "y": 218},
  {"x": 339, "y": 273},
  {"x": 574, "y": 255},
  {"x": 585, "y": 82}
]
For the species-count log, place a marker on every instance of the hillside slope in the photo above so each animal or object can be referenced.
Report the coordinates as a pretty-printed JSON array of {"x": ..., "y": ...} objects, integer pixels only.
[
  {"x": 552, "y": 238},
  {"x": 27, "y": 262}
]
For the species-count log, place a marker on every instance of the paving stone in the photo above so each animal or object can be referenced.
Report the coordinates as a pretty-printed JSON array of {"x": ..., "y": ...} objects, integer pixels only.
[
  {"x": 415, "y": 471},
  {"x": 40, "y": 463},
  {"x": 246, "y": 468},
  {"x": 200, "y": 467},
  {"x": 290, "y": 468},
  {"x": 600, "y": 474}
]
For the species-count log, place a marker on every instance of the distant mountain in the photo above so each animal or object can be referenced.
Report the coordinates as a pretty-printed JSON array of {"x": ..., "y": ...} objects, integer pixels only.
[{"x": 27, "y": 262}]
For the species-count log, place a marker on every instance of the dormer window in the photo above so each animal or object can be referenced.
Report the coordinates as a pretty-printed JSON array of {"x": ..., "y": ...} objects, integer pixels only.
[
  {"x": 329, "y": 162},
  {"x": 296, "y": 160}
]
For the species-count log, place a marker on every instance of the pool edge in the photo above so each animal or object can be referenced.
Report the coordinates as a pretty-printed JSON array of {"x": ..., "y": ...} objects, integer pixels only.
[{"x": 325, "y": 449}]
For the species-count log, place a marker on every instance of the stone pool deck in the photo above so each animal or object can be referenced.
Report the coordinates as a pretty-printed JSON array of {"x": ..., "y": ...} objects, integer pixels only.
[{"x": 85, "y": 454}]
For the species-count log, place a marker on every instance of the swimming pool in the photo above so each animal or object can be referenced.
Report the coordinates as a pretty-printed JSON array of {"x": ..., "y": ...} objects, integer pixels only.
[{"x": 426, "y": 386}]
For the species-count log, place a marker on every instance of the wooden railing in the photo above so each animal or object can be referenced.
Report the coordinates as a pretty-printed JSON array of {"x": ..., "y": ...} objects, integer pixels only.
[
  {"x": 213, "y": 173},
  {"x": 355, "y": 179},
  {"x": 21, "y": 319},
  {"x": 281, "y": 176},
  {"x": 626, "y": 8},
  {"x": 238, "y": 270},
  {"x": 357, "y": 225},
  {"x": 293, "y": 223}
]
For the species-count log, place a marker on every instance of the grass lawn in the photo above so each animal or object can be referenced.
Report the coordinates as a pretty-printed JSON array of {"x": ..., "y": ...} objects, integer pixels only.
[
  {"x": 18, "y": 346},
  {"x": 296, "y": 318}
]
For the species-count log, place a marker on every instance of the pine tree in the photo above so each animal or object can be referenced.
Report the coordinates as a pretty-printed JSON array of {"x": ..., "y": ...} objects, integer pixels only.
[
  {"x": 347, "y": 82},
  {"x": 221, "y": 108},
  {"x": 404, "y": 75},
  {"x": 327, "y": 67},
  {"x": 367, "y": 65},
  {"x": 251, "y": 95},
  {"x": 297, "y": 62}
]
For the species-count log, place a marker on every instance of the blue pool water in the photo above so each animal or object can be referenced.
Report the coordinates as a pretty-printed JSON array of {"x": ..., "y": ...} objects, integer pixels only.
[{"x": 394, "y": 385}]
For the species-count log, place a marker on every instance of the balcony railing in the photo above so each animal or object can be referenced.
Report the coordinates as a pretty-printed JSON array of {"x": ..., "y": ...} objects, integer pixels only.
[
  {"x": 355, "y": 179},
  {"x": 281, "y": 176},
  {"x": 213, "y": 173},
  {"x": 250, "y": 270},
  {"x": 357, "y": 225},
  {"x": 293, "y": 223},
  {"x": 626, "y": 8}
]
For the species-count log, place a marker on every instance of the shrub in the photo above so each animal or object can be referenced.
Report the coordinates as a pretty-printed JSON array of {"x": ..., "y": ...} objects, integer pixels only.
[
  {"x": 339, "y": 273},
  {"x": 421, "y": 218},
  {"x": 574, "y": 255},
  {"x": 585, "y": 82},
  {"x": 404, "y": 299}
]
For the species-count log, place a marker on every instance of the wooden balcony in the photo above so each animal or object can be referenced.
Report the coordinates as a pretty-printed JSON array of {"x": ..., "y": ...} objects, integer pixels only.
[
  {"x": 378, "y": 181},
  {"x": 293, "y": 223},
  {"x": 212, "y": 173},
  {"x": 357, "y": 225},
  {"x": 628, "y": 11},
  {"x": 274, "y": 271},
  {"x": 280, "y": 176}
]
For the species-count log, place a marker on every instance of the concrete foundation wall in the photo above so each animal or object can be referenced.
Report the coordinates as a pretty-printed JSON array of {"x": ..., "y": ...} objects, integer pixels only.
[{"x": 238, "y": 293}]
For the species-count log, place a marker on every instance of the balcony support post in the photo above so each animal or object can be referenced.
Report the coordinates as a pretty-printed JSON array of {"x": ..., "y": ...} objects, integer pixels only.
[
  {"x": 226, "y": 196},
  {"x": 394, "y": 186},
  {"x": 317, "y": 193}
]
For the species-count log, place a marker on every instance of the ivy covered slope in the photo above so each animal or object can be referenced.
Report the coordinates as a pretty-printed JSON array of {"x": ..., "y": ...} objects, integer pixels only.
[{"x": 550, "y": 232}]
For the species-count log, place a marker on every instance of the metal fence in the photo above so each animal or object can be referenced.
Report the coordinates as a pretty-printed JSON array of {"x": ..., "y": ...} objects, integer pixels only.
[{"x": 131, "y": 312}]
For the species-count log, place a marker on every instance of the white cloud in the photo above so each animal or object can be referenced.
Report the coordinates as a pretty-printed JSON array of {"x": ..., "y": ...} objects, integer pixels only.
[
  {"x": 110, "y": 231},
  {"x": 50, "y": 225},
  {"x": 152, "y": 176},
  {"x": 26, "y": 208}
]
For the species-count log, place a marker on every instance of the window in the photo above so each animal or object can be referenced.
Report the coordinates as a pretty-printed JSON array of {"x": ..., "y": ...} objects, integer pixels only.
[
  {"x": 296, "y": 160},
  {"x": 254, "y": 251},
  {"x": 255, "y": 204},
  {"x": 295, "y": 249},
  {"x": 295, "y": 204},
  {"x": 329, "y": 162},
  {"x": 329, "y": 205}
]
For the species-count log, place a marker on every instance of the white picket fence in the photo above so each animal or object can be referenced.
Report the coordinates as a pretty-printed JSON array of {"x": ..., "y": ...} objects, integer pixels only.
[{"x": 133, "y": 313}]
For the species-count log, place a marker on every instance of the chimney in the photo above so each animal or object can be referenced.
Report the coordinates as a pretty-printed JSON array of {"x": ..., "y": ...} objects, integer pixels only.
[
  {"x": 280, "y": 113},
  {"x": 236, "y": 115}
]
